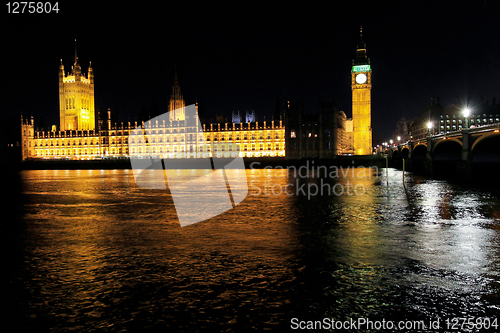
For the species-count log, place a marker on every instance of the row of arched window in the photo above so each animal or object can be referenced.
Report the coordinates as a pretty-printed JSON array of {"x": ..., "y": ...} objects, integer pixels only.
[{"x": 70, "y": 103}]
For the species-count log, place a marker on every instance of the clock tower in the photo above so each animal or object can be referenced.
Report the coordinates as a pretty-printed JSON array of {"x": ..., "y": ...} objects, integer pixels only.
[{"x": 361, "y": 85}]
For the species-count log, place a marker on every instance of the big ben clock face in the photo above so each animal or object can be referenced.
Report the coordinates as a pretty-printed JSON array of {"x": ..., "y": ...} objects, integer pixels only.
[{"x": 360, "y": 78}]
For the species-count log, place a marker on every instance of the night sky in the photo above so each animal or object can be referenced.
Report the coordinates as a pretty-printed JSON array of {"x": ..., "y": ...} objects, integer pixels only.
[{"x": 242, "y": 56}]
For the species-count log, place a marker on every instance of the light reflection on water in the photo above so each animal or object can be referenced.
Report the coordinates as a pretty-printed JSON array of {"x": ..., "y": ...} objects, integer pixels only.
[{"x": 99, "y": 253}]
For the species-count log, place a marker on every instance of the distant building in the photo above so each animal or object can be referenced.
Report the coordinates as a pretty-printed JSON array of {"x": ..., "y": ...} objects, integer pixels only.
[
  {"x": 451, "y": 118},
  {"x": 341, "y": 133},
  {"x": 236, "y": 118},
  {"x": 311, "y": 135},
  {"x": 219, "y": 118},
  {"x": 428, "y": 114},
  {"x": 349, "y": 142},
  {"x": 402, "y": 130},
  {"x": 250, "y": 116}
]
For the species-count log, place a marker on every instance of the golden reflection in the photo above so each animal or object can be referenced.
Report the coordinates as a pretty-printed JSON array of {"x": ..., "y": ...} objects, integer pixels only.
[
  {"x": 97, "y": 246},
  {"x": 359, "y": 219}
]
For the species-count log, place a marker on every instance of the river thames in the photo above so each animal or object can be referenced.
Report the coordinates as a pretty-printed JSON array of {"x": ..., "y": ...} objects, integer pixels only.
[{"x": 87, "y": 250}]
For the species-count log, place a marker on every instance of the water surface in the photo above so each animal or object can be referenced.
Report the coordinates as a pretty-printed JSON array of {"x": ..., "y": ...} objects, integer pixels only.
[{"x": 87, "y": 250}]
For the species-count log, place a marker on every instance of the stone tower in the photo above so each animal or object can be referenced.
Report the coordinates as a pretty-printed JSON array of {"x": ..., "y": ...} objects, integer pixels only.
[
  {"x": 76, "y": 98},
  {"x": 361, "y": 85},
  {"x": 176, "y": 106}
]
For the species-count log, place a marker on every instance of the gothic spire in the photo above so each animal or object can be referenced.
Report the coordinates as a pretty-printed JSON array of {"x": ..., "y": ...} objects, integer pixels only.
[
  {"x": 175, "y": 86},
  {"x": 77, "y": 70},
  {"x": 361, "y": 58}
]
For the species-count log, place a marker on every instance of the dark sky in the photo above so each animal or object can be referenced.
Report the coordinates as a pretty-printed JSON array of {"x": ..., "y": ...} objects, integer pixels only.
[{"x": 241, "y": 56}]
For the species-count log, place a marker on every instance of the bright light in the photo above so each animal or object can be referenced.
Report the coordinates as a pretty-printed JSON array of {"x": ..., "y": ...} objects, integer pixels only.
[
  {"x": 466, "y": 112},
  {"x": 399, "y": 138},
  {"x": 429, "y": 125},
  {"x": 360, "y": 78},
  {"x": 390, "y": 141}
]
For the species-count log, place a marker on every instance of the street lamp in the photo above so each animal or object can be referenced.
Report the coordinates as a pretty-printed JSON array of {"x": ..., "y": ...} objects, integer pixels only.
[
  {"x": 466, "y": 115},
  {"x": 429, "y": 126}
]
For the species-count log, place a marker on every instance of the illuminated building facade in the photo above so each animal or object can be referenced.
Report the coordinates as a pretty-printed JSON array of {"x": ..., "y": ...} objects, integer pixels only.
[
  {"x": 79, "y": 139},
  {"x": 349, "y": 142},
  {"x": 361, "y": 85},
  {"x": 342, "y": 137},
  {"x": 184, "y": 140},
  {"x": 451, "y": 118},
  {"x": 293, "y": 133}
]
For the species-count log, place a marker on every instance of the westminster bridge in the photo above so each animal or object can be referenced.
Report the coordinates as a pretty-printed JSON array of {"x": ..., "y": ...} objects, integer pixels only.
[{"x": 460, "y": 152}]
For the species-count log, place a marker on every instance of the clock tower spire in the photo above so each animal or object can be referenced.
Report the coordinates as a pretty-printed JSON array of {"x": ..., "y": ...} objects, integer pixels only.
[
  {"x": 361, "y": 58},
  {"x": 361, "y": 86}
]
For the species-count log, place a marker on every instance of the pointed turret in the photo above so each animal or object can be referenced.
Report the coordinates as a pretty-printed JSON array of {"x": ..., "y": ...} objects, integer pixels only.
[
  {"x": 361, "y": 58},
  {"x": 176, "y": 88},
  {"x": 176, "y": 103},
  {"x": 61, "y": 72},
  {"x": 91, "y": 73},
  {"x": 77, "y": 70}
]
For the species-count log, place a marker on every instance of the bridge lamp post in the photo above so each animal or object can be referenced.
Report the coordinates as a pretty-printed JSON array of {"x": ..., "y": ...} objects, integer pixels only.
[
  {"x": 466, "y": 116},
  {"x": 429, "y": 126}
]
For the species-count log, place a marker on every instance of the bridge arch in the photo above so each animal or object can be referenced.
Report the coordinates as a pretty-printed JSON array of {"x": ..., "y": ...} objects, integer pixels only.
[
  {"x": 483, "y": 137},
  {"x": 442, "y": 141},
  {"x": 486, "y": 149},
  {"x": 447, "y": 150},
  {"x": 420, "y": 144},
  {"x": 419, "y": 152},
  {"x": 405, "y": 152}
]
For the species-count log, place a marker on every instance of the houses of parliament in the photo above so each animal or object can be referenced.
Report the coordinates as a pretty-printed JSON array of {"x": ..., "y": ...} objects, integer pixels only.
[{"x": 293, "y": 135}]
